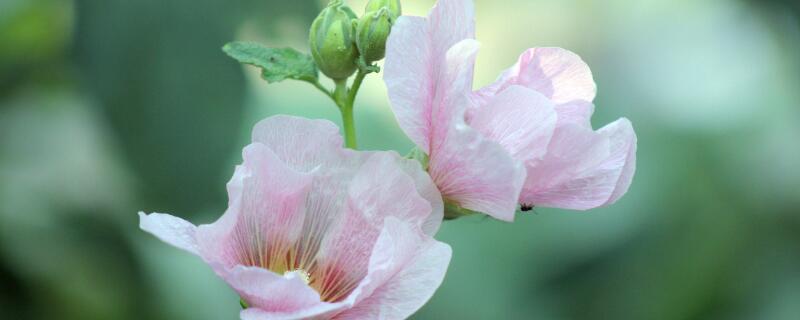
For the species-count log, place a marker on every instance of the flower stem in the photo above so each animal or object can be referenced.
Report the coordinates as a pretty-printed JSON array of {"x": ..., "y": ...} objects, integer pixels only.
[
  {"x": 344, "y": 99},
  {"x": 349, "y": 128},
  {"x": 322, "y": 88},
  {"x": 351, "y": 99}
]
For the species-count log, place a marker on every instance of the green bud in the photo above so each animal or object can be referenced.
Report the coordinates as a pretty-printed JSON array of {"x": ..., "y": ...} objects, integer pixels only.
[
  {"x": 332, "y": 41},
  {"x": 393, "y": 5},
  {"x": 372, "y": 32}
]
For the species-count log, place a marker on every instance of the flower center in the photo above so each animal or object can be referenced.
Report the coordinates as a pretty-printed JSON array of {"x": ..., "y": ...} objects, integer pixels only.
[
  {"x": 330, "y": 280},
  {"x": 298, "y": 273}
]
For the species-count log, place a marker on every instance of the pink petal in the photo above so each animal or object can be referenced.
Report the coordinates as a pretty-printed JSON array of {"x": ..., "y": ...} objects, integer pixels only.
[
  {"x": 519, "y": 119},
  {"x": 450, "y": 22},
  {"x": 428, "y": 190},
  {"x": 477, "y": 174},
  {"x": 429, "y": 80},
  {"x": 381, "y": 189},
  {"x": 415, "y": 65},
  {"x": 623, "y": 142},
  {"x": 303, "y": 144},
  {"x": 173, "y": 230},
  {"x": 269, "y": 210},
  {"x": 583, "y": 169},
  {"x": 320, "y": 311},
  {"x": 449, "y": 107},
  {"x": 556, "y": 73},
  {"x": 405, "y": 269},
  {"x": 265, "y": 290},
  {"x": 575, "y": 112},
  {"x": 409, "y": 78},
  {"x": 470, "y": 170}
]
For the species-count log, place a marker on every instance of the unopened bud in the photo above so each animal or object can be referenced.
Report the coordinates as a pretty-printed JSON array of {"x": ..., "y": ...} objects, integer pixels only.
[
  {"x": 393, "y": 5},
  {"x": 373, "y": 30},
  {"x": 332, "y": 41}
]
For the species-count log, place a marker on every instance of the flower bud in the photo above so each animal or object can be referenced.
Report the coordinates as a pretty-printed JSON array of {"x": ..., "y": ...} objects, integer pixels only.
[
  {"x": 372, "y": 32},
  {"x": 393, "y": 5},
  {"x": 332, "y": 41}
]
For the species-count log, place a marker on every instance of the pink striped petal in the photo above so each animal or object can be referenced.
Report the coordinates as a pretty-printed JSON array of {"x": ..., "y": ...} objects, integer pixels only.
[
  {"x": 519, "y": 119},
  {"x": 406, "y": 267},
  {"x": 380, "y": 190},
  {"x": 302, "y": 144},
  {"x": 471, "y": 171},
  {"x": 558, "y": 74},
  {"x": 269, "y": 210},
  {"x": 416, "y": 65},
  {"x": 265, "y": 290},
  {"x": 429, "y": 80},
  {"x": 583, "y": 169},
  {"x": 172, "y": 230},
  {"x": 428, "y": 190},
  {"x": 477, "y": 174}
]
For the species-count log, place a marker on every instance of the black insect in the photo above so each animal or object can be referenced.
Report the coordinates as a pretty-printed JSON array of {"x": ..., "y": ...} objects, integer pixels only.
[{"x": 525, "y": 207}]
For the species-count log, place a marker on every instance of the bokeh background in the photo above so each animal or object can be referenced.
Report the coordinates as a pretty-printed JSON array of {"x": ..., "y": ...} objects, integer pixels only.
[{"x": 108, "y": 107}]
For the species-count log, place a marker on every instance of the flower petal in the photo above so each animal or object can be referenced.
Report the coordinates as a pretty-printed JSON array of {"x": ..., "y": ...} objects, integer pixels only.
[
  {"x": 519, "y": 119},
  {"x": 406, "y": 268},
  {"x": 380, "y": 189},
  {"x": 409, "y": 78},
  {"x": 449, "y": 22},
  {"x": 623, "y": 145},
  {"x": 415, "y": 65},
  {"x": 320, "y": 311},
  {"x": 477, "y": 174},
  {"x": 172, "y": 230},
  {"x": 267, "y": 216},
  {"x": 263, "y": 289},
  {"x": 556, "y": 73},
  {"x": 303, "y": 144},
  {"x": 583, "y": 169},
  {"x": 575, "y": 112},
  {"x": 428, "y": 190}
]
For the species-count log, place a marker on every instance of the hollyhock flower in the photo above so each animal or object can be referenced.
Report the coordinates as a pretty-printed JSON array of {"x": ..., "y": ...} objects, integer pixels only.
[
  {"x": 315, "y": 231},
  {"x": 582, "y": 168},
  {"x": 526, "y": 139}
]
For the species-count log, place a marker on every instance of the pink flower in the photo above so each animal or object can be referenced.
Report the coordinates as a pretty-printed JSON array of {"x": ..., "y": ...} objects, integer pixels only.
[
  {"x": 316, "y": 231},
  {"x": 525, "y": 139}
]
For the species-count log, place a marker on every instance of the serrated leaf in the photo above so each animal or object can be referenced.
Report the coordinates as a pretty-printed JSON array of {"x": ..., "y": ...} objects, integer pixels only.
[{"x": 277, "y": 64}]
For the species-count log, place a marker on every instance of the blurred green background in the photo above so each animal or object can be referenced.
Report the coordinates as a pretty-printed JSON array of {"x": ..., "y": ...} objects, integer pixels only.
[{"x": 108, "y": 107}]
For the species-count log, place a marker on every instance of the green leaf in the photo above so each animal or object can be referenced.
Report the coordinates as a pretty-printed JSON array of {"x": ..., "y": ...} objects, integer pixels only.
[{"x": 277, "y": 64}]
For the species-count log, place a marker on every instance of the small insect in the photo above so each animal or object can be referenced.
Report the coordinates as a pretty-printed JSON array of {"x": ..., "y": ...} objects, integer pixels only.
[{"x": 524, "y": 207}]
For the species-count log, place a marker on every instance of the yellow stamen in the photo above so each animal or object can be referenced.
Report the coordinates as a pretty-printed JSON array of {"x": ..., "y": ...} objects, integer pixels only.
[{"x": 298, "y": 273}]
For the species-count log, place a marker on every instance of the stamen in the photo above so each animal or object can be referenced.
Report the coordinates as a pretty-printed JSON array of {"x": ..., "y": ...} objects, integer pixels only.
[{"x": 298, "y": 273}]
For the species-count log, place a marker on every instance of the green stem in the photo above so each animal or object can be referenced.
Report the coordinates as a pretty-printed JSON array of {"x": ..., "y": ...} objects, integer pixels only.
[
  {"x": 351, "y": 99},
  {"x": 349, "y": 128},
  {"x": 340, "y": 92},
  {"x": 342, "y": 97},
  {"x": 322, "y": 88}
]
